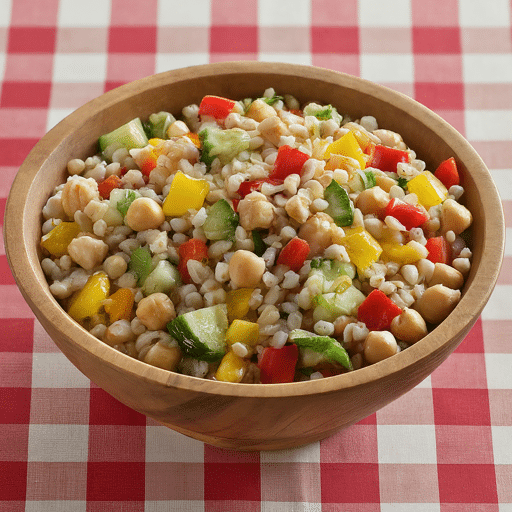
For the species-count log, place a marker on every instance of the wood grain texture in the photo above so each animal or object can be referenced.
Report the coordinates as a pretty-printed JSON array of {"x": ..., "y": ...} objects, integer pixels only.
[{"x": 242, "y": 416}]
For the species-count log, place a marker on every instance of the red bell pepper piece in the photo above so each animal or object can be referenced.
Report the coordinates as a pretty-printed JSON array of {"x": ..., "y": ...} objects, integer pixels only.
[
  {"x": 277, "y": 365},
  {"x": 386, "y": 158},
  {"x": 410, "y": 216},
  {"x": 216, "y": 106},
  {"x": 109, "y": 184},
  {"x": 247, "y": 187},
  {"x": 235, "y": 204},
  {"x": 289, "y": 161},
  {"x": 193, "y": 249},
  {"x": 447, "y": 173},
  {"x": 377, "y": 311},
  {"x": 296, "y": 111},
  {"x": 294, "y": 254},
  {"x": 439, "y": 250},
  {"x": 148, "y": 165}
]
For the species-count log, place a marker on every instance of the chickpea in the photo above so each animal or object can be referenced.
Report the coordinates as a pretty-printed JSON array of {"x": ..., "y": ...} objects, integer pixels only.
[
  {"x": 372, "y": 200},
  {"x": 259, "y": 110},
  {"x": 297, "y": 207},
  {"x": 115, "y": 266},
  {"x": 437, "y": 302},
  {"x": 162, "y": 356},
  {"x": 255, "y": 211},
  {"x": 155, "y": 311},
  {"x": 409, "y": 326},
  {"x": 379, "y": 345},
  {"x": 88, "y": 252},
  {"x": 384, "y": 182},
  {"x": 317, "y": 231},
  {"x": 246, "y": 269},
  {"x": 177, "y": 129},
  {"x": 144, "y": 213},
  {"x": 455, "y": 217},
  {"x": 447, "y": 276},
  {"x": 272, "y": 129}
]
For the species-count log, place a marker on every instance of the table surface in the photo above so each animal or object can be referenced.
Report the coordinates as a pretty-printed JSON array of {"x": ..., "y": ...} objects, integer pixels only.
[{"x": 65, "y": 445}]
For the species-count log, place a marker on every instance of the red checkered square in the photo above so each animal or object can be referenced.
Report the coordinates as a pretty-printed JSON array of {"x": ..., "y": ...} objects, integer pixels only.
[
  {"x": 436, "y": 40},
  {"x": 288, "y": 39},
  {"x": 115, "y": 481},
  {"x": 497, "y": 154},
  {"x": 473, "y": 343},
  {"x": 56, "y": 481},
  {"x": 25, "y": 94},
  {"x": 133, "y": 12},
  {"x": 82, "y": 40},
  {"x": 461, "y": 371},
  {"x": 232, "y": 506},
  {"x": 13, "y": 304},
  {"x": 427, "y": 14},
  {"x": 16, "y": 370},
  {"x": 108, "y": 443},
  {"x": 470, "y": 507},
  {"x": 26, "y": 122},
  {"x": 74, "y": 95},
  {"x": 222, "y": 455},
  {"x": 453, "y": 441},
  {"x": 454, "y": 117},
  {"x": 234, "y": 39},
  {"x": 347, "y": 63},
  {"x": 112, "y": 85},
  {"x": 21, "y": 332},
  {"x": 421, "y": 487},
  {"x": 467, "y": 483},
  {"x": 488, "y": 96},
  {"x": 338, "y": 40},
  {"x": 125, "y": 67},
  {"x": 59, "y": 406},
  {"x": 438, "y": 68},
  {"x": 486, "y": 40},
  {"x": 31, "y": 40},
  {"x": 362, "y": 483},
  {"x": 240, "y": 481},
  {"x": 439, "y": 95},
  {"x": 132, "y": 39},
  {"x": 3, "y": 202},
  {"x": 413, "y": 408},
  {"x": 302, "y": 482},
  {"x": 493, "y": 330},
  {"x": 388, "y": 39},
  {"x": 120, "y": 506},
  {"x": 334, "y": 12},
  {"x": 174, "y": 481},
  {"x": 461, "y": 407},
  {"x": 178, "y": 40},
  {"x": 369, "y": 420},
  {"x": 29, "y": 13},
  {"x": 13, "y": 481},
  {"x": 15, "y": 405},
  {"x": 503, "y": 479},
  {"x": 14, "y": 443},
  {"x": 228, "y": 57},
  {"x": 505, "y": 275},
  {"x": 106, "y": 410},
  {"x": 30, "y": 67},
  {"x": 234, "y": 12},
  {"x": 356, "y": 444},
  {"x": 351, "y": 507},
  {"x": 499, "y": 405}
]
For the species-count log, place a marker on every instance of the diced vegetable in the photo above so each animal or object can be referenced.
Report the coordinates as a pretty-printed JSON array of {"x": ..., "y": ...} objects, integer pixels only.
[
  {"x": 362, "y": 248},
  {"x": 346, "y": 146},
  {"x": 289, "y": 161},
  {"x": 328, "y": 347},
  {"x": 242, "y": 331},
  {"x": 130, "y": 135},
  {"x": 259, "y": 245},
  {"x": 126, "y": 199},
  {"x": 107, "y": 185},
  {"x": 294, "y": 254},
  {"x": 57, "y": 240},
  {"x": 159, "y": 123},
  {"x": 277, "y": 365},
  {"x": 340, "y": 208},
  {"x": 141, "y": 264},
  {"x": 367, "y": 178},
  {"x": 439, "y": 250},
  {"x": 201, "y": 334},
  {"x": 448, "y": 173},
  {"x": 222, "y": 144},
  {"x": 232, "y": 368},
  {"x": 246, "y": 187},
  {"x": 237, "y": 302},
  {"x": 193, "y": 249},
  {"x": 149, "y": 163},
  {"x": 403, "y": 254},
  {"x": 119, "y": 305},
  {"x": 428, "y": 188},
  {"x": 221, "y": 221},
  {"x": 407, "y": 214},
  {"x": 330, "y": 306},
  {"x": 386, "y": 159},
  {"x": 377, "y": 311},
  {"x": 89, "y": 300},
  {"x": 186, "y": 193},
  {"x": 330, "y": 270},
  {"x": 216, "y": 106},
  {"x": 162, "y": 279},
  {"x": 322, "y": 112}
]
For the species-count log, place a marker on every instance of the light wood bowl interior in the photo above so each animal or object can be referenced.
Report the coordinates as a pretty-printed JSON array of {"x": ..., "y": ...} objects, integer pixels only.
[{"x": 242, "y": 416}]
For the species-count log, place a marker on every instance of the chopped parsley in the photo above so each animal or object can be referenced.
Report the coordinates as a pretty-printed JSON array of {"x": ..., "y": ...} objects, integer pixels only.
[
  {"x": 272, "y": 100},
  {"x": 123, "y": 204}
]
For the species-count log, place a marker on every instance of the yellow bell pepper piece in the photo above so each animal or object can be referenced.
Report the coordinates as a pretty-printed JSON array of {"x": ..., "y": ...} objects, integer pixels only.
[
  {"x": 119, "y": 305},
  {"x": 242, "y": 331},
  {"x": 57, "y": 240},
  {"x": 346, "y": 146},
  {"x": 155, "y": 141},
  {"x": 237, "y": 302},
  {"x": 89, "y": 300},
  {"x": 428, "y": 188},
  {"x": 362, "y": 248},
  {"x": 232, "y": 368},
  {"x": 403, "y": 254},
  {"x": 186, "y": 193}
]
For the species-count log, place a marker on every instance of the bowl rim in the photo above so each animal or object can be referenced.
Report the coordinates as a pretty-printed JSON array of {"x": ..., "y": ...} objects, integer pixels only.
[{"x": 25, "y": 272}]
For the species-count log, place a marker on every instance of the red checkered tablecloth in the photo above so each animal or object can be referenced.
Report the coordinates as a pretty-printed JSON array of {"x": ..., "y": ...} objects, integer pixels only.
[{"x": 67, "y": 446}]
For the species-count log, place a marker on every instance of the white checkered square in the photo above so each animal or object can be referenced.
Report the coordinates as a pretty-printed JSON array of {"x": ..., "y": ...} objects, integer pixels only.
[
  {"x": 492, "y": 14},
  {"x": 56, "y": 115},
  {"x": 491, "y": 125},
  {"x": 392, "y": 13},
  {"x": 481, "y": 68},
  {"x": 5, "y": 9},
  {"x": 54, "y": 370},
  {"x": 83, "y": 67},
  {"x": 172, "y": 13},
  {"x": 498, "y": 367},
  {"x": 55, "y": 506},
  {"x": 58, "y": 443},
  {"x": 502, "y": 447},
  {"x": 503, "y": 180},
  {"x": 498, "y": 308},
  {"x": 381, "y": 67},
  {"x": 283, "y": 13},
  {"x": 308, "y": 453},
  {"x": 174, "y": 506},
  {"x": 287, "y": 506},
  {"x": 406, "y": 444},
  {"x": 407, "y": 507},
  {"x": 166, "y": 445},
  {"x": 167, "y": 61},
  {"x": 93, "y": 13},
  {"x": 289, "y": 58}
]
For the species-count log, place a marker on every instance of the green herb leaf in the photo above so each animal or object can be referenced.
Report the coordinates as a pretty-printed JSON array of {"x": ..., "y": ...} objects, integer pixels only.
[
  {"x": 123, "y": 204},
  {"x": 324, "y": 114},
  {"x": 259, "y": 245},
  {"x": 402, "y": 182},
  {"x": 140, "y": 264},
  {"x": 274, "y": 99}
]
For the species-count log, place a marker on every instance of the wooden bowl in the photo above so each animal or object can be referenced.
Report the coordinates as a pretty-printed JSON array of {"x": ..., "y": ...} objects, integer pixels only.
[{"x": 255, "y": 416}]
